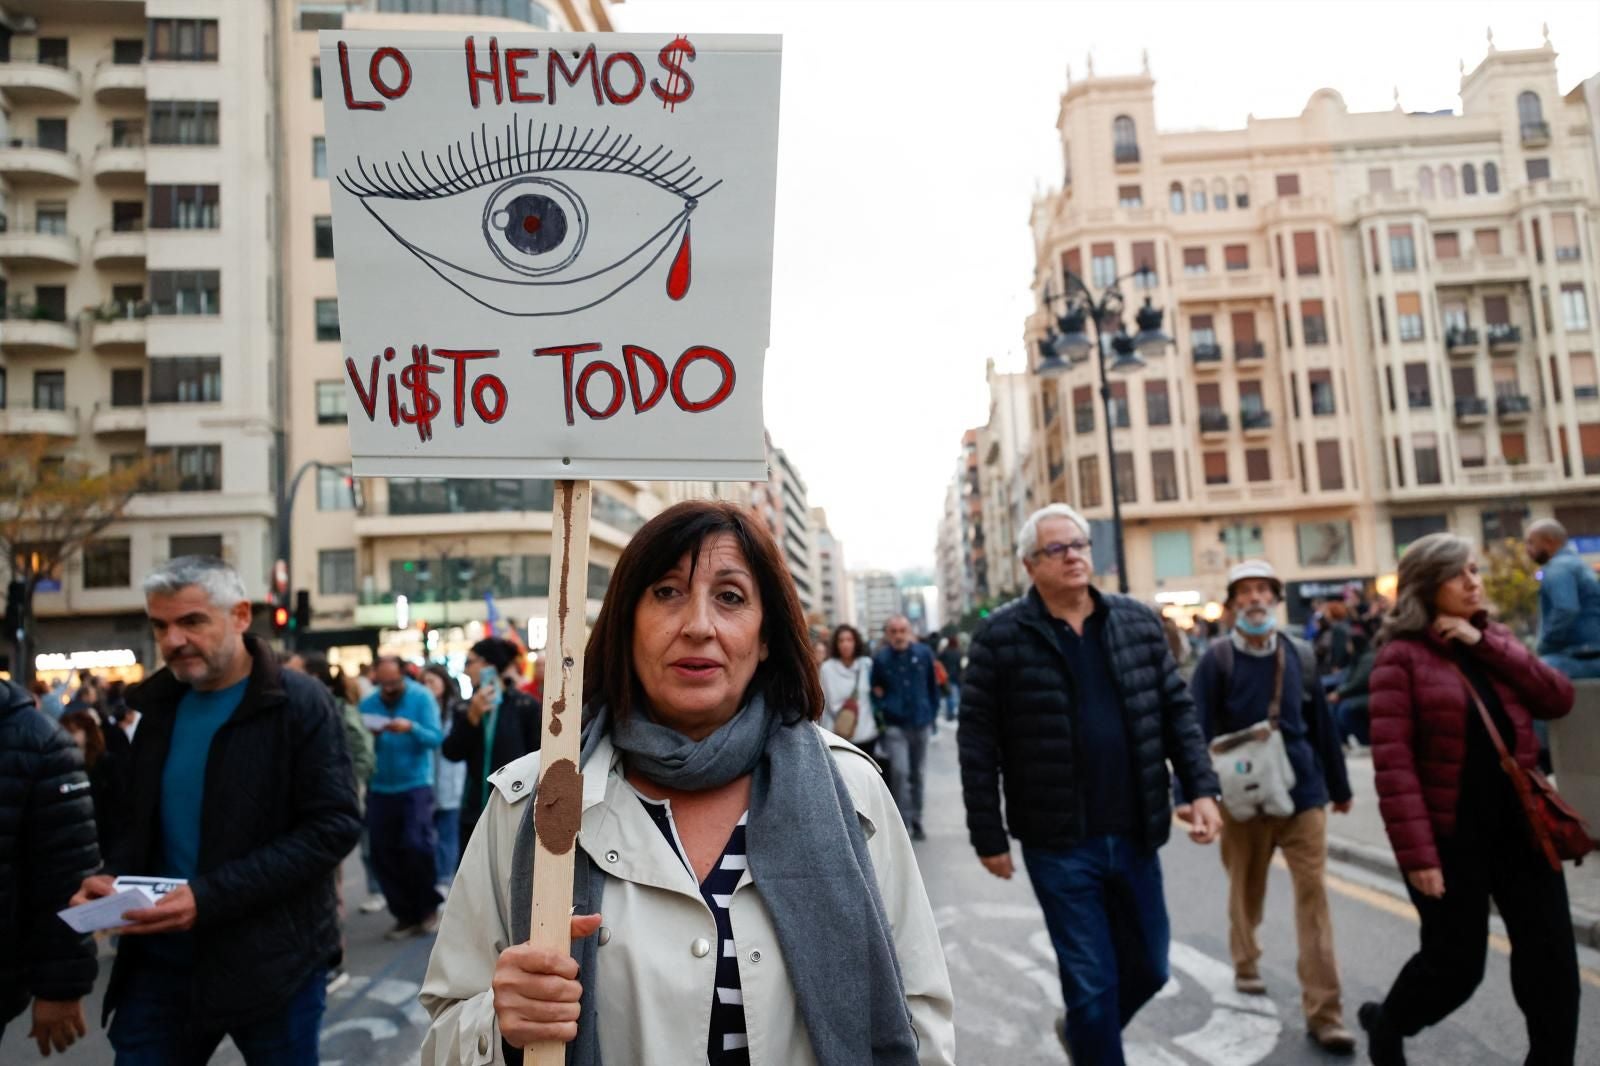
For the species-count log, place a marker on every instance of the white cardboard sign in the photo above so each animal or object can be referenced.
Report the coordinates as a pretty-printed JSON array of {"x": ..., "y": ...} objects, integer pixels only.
[{"x": 554, "y": 251}]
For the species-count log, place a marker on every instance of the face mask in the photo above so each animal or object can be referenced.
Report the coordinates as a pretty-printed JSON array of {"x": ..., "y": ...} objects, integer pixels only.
[{"x": 1261, "y": 628}]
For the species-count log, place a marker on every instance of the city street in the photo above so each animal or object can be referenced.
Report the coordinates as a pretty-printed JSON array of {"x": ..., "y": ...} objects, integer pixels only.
[{"x": 1007, "y": 993}]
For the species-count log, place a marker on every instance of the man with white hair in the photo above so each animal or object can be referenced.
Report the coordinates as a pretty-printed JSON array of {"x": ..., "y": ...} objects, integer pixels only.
[
  {"x": 240, "y": 793},
  {"x": 1569, "y": 602},
  {"x": 1072, "y": 703}
]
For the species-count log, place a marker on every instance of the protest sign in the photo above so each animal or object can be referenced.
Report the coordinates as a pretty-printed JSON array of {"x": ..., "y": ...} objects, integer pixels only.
[{"x": 554, "y": 251}]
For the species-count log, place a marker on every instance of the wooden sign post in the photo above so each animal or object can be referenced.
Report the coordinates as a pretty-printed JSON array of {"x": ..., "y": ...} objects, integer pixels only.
[{"x": 559, "y": 801}]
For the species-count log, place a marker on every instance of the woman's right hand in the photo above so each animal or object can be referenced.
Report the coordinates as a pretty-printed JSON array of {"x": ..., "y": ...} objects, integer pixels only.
[
  {"x": 536, "y": 990},
  {"x": 1429, "y": 882}
]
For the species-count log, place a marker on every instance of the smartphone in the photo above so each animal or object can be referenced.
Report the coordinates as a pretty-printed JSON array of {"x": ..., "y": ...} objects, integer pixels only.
[{"x": 489, "y": 678}]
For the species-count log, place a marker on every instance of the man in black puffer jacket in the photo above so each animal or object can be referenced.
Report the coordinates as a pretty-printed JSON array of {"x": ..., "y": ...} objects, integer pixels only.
[
  {"x": 241, "y": 785},
  {"x": 1072, "y": 701},
  {"x": 46, "y": 847}
]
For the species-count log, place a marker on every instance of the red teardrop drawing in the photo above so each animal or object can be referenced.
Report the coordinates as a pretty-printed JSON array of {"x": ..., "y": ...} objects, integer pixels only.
[{"x": 678, "y": 276}]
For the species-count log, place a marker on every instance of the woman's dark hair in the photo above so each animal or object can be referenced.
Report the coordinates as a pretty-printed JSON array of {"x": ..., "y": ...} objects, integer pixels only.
[
  {"x": 833, "y": 641},
  {"x": 316, "y": 665},
  {"x": 787, "y": 678},
  {"x": 451, "y": 688},
  {"x": 498, "y": 652},
  {"x": 94, "y": 741}
]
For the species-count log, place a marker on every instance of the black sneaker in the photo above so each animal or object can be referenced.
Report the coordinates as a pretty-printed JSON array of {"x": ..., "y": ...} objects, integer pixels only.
[
  {"x": 1385, "y": 1047},
  {"x": 917, "y": 833}
]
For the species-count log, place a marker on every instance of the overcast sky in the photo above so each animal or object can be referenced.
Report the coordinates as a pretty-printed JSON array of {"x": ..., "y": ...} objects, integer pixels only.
[{"x": 914, "y": 134}]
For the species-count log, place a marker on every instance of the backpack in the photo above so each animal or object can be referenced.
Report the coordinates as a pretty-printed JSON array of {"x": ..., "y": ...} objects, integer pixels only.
[{"x": 1310, "y": 679}]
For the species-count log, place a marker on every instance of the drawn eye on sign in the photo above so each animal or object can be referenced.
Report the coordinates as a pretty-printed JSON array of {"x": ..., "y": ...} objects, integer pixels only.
[{"x": 535, "y": 221}]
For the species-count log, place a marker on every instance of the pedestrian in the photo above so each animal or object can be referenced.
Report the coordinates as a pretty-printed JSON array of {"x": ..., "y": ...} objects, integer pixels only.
[
  {"x": 1569, "y": 602},
  {"x": 819, "y": 650},
  {"x": 400, "y": 797},
  {"x": 1073, "y": 702},
  {"x": 499, "y": 711},
  {"x": 105, "y": 770},
  {"x": 241, "y": 788},
  {"x": 1349, "y": 703},
  {"x": 847, "y": 689},
  {"x": 1335, "y": 645},
  {"x": 363, "y": 681},
  {"x": 702, "y": 697},
  {"x": 47, "y": 846},
  {"x": 449, "y": 779},
  {"x": 905, "y": 692},
  {"x": 1261, "y": 674},
  {"x": 1459, "y": 831},
  {"x": 952, "y": 660}
]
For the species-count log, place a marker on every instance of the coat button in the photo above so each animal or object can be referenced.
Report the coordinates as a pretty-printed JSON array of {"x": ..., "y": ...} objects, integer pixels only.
[
  {"x": 516, "y": 786},
  {"x": 701, "y": 947},
  {"x": 605, "y": 935},
  {"x": 612, "y": 856},
  {"x": 755, "y": 956},
  {"x": 483, "y": 1044}
]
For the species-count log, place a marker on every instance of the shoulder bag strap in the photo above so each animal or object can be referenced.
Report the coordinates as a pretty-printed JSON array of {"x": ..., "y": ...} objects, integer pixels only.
[{"x": 1277, "y": 684}]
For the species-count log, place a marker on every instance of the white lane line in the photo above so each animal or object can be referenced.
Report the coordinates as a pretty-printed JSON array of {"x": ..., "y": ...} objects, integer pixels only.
[
  {"x": 1232, "y": 1038},
  {"x": 394, "y": 992},
  {"x": 1216, "y": 977}
]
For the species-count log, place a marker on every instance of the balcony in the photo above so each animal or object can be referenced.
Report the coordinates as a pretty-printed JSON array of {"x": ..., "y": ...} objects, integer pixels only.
[
  {"x": 1535, "y": 134},
  {"x": 1208, "y": 354},
  {"x": 1512, "y": 406},
  {"x": 118, "y": 327},
  {"x": 119, "y": 164},
  {"x": 1461, "y": 340},
  {"x": 36, "y": 248},
  {"x": 118, "y": 83},
  {"x": 1254, "y": 422},
  {"x": 118, "y": 247},
  {"x": 109, "y": 418},
  {"x": 1247, "y": 351},
  {"x": 25, "y": 80},
  {"x": 1504, "y": 338},
  {"x": 1126, "y": 154},
  {"x": 42, "y": 421},
  {"x": 28, "y": 163},
  {"x": 1419, "y": 399},
  {"x": 27, "y": 330},
  {"x": 1213, "y": 420},
  {"x": 1471, "y": 409}
]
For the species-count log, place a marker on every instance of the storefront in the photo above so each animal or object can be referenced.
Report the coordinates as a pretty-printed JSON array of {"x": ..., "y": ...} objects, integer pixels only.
[
  {"x": 1301, "y": 597},
  {"x": 107, "y": 664}
]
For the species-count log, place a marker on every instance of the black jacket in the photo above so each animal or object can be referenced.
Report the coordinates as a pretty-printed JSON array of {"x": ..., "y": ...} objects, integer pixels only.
[
  {"x": 1017, "y": 727},
  {"x": 516, "y": 733},
  {"x": 279, "y": 815},
  {"x": 47, "y": 848}
]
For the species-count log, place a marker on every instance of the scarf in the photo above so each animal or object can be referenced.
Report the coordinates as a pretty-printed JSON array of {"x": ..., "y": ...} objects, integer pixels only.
[{"x": 808, "y": 859}]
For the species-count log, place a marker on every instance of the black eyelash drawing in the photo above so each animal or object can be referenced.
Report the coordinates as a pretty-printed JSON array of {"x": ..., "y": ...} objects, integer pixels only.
[{"x": 533, "y": 225}]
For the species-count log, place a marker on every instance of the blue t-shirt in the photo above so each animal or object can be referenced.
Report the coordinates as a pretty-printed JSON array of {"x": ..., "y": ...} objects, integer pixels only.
[
  {"x": 183, "y": 779},
  {"x": 405, "y": 760}
]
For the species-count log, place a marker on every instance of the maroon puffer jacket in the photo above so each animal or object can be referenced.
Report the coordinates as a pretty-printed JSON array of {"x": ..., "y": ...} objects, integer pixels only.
[{"x": 1419, "y": 712}]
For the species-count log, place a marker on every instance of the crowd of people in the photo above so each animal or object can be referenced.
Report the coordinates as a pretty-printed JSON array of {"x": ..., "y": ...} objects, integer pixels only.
[{"x": 714, "y": 815}]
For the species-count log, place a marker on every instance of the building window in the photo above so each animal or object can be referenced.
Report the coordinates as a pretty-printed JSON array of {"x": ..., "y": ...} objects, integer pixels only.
[
  {"x": 1564, "y": 234},
  {"x": 1418, "y": 392},
  {"x": 1538, "y": 169},
  {"x": 1408, "y": 312},
  {"x": 1197, "y": 195},
  {"x": 599, "y": 581},
  {"x": 1257, "y": 464},
  {"x": 1241, "y": 193},
  {"x": 1322, "y": 399},
  {"x": 1406, "y": 529},
  {"x": 1425, "y": 453},
  {"x": 1119, "y": 404},
  {"x": 1574, "y": 308},
  {"x": 127, "y": 216},
  {"x": 1127, "y": 485},
  {"x": 1447, "y": 182},
  {"x": 49, "y": 390},
  {"x": 1514, "y": 447},
  {"x": 183, "y": 122},
  {"x": 1425, "y": 183},
  {"x": 1325, "y": 544},
  {"x": 1380, "y": 179},
  {"x": 1125, "y": 139},
  {"x": 1330, "y": 469},
  {"x": 322, "y": 236},
  {"x": 1288, "y": 185},
  {"x": 185, "y": 292},
  {"x": 1236, "y": 256},
  {"x": 1589, "y": 445},
  {"x": 336, "y": 572},
  {"x": 1083, "y": 409},
  {"x": 1240, "y": 541},
  {"x": 1219, "y": 194},
  {"x": 1313, "y": 323},
  {"x": 319, "y": 157},
  {"x": 1175, "y": 200},
  {"x": 1402, "y": 248},
  {"x": 1157, "y": 407},
  {"x": 50, "y": 216},
  {"x": 1530, "y": 114},
  {"x": 1491, "y": 178},
  {"x": 335, "y": 490},
  {"x": 1446, "y": 246},
  {"x": 182, "y": 40},
  {"x": 186, "y": 379},
  {"x": 1486, "y": 241},
  {"x": 321, "y": 16},
  {"x": 1144, "y": 261},
  {"x": 331, "y": 403},
  {"x": 1585, "y": 386},
  {"x": 1216, "y": 464},
  {"x": 1174, "y": 554},
  {"x": 205, "y": 545},
  {"x": 185, "y": 207},
  {"x": 1089, "y": 480},
  {"x": 1103, "y": 265},
  {"x": 1471, "y": 449},
  {"x": 1194, "y": 261},
  {"x": 316, "y": 79},
  {"x": 1164, "y": 475},
  {"x": 186, "y": 468},
  {"x": 1129, "y": 196},
  {"x": 1305, "y": 254},
  {"x": 127, "y": 51},
  {"x": 1469, "y": 179},
  {"x": 107, "y": 564},
  {"x": 327, "y": 320},
  {"x": 467, "y": 495},
  {"x": 127, "y": 387}
]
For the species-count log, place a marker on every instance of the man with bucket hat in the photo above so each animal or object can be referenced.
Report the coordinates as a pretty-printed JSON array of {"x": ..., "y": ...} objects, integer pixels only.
[{"x": 1256, "y": 691}]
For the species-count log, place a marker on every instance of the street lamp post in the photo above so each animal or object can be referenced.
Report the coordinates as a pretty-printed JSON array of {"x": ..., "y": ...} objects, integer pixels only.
[
  {"x": 286, "y": 513},
  {"x": 1072, "y": 343}
]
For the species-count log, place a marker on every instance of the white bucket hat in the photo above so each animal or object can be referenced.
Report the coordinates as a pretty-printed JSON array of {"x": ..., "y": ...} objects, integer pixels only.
[{"x": 1254, "y": 568}]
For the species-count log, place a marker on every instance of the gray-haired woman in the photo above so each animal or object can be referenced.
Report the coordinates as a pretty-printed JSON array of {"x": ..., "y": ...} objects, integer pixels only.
[{"x": 1453, "y": 815}]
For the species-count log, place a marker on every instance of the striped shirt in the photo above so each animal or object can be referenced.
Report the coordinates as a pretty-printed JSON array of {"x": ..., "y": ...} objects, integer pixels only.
[{"x": 727, "y": 1044}]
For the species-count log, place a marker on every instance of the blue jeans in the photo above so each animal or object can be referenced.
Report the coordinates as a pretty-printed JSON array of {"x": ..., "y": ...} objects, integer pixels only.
[
  {"x": 1575, "y": 668},
  {"x": 952, "y": 701},
  {"x": 1107, "y": 916},
  {"x": 447, "y": 852},
  {"x": 153, "y": 1025}
]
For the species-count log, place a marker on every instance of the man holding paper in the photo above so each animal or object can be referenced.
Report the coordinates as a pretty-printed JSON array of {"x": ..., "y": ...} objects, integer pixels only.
[{"x": 241, "y": 788}]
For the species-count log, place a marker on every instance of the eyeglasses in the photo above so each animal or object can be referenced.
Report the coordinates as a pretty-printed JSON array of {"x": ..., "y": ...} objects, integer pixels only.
[{"x": 1056, "y": 549}]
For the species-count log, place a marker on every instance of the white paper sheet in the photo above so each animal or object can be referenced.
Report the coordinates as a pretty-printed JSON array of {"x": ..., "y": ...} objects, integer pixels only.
[
  {"x": 106, "y": 912},
  {"x": 377, "y": 723}
]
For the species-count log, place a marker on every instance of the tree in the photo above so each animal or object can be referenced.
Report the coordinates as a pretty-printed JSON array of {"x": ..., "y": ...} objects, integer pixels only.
[
  {"x": 1511, "y": 586},
  {"x": 50, "y": 506}
]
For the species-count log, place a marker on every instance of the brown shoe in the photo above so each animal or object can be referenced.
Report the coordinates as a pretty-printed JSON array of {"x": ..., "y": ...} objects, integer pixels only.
[
  {"x": 1334, "y": 1038},
  {"x": 1250, "y": 986}
]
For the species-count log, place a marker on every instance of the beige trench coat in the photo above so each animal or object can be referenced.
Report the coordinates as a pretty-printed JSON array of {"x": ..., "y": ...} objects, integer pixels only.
[{"x": 657, "y": 975}]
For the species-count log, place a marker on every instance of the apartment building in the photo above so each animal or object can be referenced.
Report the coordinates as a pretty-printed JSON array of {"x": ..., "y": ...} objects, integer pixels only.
[
  {"x": 1003, "y": 482},
  {"x": 1383, "y": 326},
  {"x": 949, "y": 566},
  {"x": 827, "y": 569},
  {"x": 781, "y": 502},
  {"x": 877, "y": 599},
  {"x": 137, "y": 285}
]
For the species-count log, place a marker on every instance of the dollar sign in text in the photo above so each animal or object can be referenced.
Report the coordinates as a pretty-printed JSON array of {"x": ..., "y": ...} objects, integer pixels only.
[
  {"x": 679, "y": 85},
  {"x": 425, "y": 403}
]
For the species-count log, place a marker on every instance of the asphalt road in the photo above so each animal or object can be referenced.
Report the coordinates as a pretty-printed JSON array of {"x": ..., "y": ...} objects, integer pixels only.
[{"x": 1004, "y": 973}]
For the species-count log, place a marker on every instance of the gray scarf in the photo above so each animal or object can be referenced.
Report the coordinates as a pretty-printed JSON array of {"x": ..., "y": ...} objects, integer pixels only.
[{"x": 808, "y": 859}]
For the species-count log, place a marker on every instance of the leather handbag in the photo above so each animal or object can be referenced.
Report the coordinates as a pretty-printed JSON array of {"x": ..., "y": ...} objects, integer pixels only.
[
  {"x": 1559, "y": 831},
  {"x": 849, "y": 716},
  {"x": 1253, "y": 764}
]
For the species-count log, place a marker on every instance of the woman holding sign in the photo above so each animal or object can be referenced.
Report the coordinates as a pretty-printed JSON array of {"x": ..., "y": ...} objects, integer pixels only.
[{"x": 746, "y": 892}]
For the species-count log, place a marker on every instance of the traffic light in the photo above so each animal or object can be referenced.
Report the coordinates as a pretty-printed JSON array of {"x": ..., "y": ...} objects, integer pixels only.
[
  {"x": 302, "y": 610},
  {"x": 16, "y": 592},
  {"x": 280, "y": 618}
]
